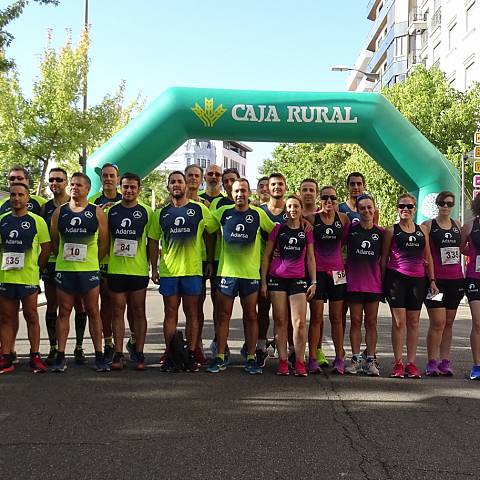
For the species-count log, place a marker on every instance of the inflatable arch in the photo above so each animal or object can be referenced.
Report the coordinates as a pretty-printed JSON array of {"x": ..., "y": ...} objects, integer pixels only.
[{"x": 367, "y": 119}]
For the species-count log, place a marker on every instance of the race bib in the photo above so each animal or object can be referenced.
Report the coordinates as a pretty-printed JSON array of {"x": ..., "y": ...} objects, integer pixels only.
[
  {"x": 477, "y": 263},
  {"x": 450, "y": 255},
  {"x": 125, "y": 248},
  {"x": 339, "y": 277},
  {"x": 74, "y": 252},
  {"x": 13, "y": 260}
]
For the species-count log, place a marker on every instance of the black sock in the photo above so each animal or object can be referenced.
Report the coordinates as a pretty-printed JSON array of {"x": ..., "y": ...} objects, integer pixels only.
[
  {"x": 98, "y": 355},
  {"x": 60, "y": 356},
  {"x": 51, "y": 322},
  {"x": 80, "y": 324}
]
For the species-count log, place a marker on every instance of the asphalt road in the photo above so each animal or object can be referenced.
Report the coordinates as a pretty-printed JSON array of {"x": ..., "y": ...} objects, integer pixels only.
[{"x": 142, "y": 425}]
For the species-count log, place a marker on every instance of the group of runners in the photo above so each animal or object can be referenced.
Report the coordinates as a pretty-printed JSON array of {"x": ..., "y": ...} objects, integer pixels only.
[{"x": 288, "y": 253}]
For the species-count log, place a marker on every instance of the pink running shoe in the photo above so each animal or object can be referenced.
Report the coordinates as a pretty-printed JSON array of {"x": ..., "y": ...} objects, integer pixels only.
[
  {"x": 397, "y": 370},
  {"x": 444, "y": 368},
  {"x": 313, "y": 366},
  {"x": 412, "y": 371},
  {"x": 300, "y": 369},
  {"x": 282, "y": 368},
  {"x": 432, "y": 369},
  {"x": 338, "y": 366}
]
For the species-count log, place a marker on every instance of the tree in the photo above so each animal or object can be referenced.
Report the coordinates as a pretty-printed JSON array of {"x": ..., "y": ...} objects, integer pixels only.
[
  {"x": 156, "y": 182},
  {"x": 52, "y": 126},
  {"x": 447, "y": 117},
  {"x": 7, "y": 15}
]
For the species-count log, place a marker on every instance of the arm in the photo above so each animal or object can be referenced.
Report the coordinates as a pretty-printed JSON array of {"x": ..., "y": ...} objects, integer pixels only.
[
  {"x": 386, "y": 245},
  {"x": 153, "y": 254},
  {"x": 427, "y": 254},
  {"x": 103, "y": 236},
  {"x": 312, "y": 272},
  {"x": 44, "y": 254},
  {"x": 267, "y": 255},
  {"x": 466, "y": 230}
]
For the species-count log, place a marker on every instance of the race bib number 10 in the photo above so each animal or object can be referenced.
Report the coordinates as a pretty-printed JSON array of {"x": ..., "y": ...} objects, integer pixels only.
[
  {"x": 13, "y": 260},
  {"x": 74, "y": 252},
  {"x": 339, "y": 277},
  {"x": 125, "y": 248}
]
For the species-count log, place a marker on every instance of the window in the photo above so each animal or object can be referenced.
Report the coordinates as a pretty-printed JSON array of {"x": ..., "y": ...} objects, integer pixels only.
[
  {"x": 451, "y": 36},
  {"x": 469, "y": 74},
  {"x": 469, "y": 15},
  {"x": 436, "y": 54}
]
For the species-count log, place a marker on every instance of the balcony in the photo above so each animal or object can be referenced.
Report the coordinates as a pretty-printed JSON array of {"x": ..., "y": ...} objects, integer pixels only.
[
  {"x": 437, "y": 18},
  {"x": 414, "y": 59},
  {"x": 416, "y": 21},
  {"x": 424, "y": 39}
]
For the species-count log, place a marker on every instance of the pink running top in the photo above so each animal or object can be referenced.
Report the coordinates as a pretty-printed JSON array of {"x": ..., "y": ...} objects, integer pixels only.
[
  {"x": 445, "y": 248},
  {"x": 474, "y": 251},
  {"x": 328, "y": 244}
]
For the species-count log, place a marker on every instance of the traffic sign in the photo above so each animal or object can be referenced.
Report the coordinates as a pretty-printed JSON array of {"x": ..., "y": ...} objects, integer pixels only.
[
  {"x": 476, "y": 181},
  {"x": 476, "y": 139},
  {"x": 476, "y": 152},
  {"x": 476, "y": 193},
  {"x": 476, "y": 166}
]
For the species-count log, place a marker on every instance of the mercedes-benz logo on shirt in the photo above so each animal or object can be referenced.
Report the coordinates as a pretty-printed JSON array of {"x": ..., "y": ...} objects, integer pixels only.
[
  {"x": 75, "y": 221},
  {"x": 190, "y": 212},
  {"x": 375, "y": 236},
  {"x": 301, "y": 234},
  {"x": 179, "y": 221},
  {"x": 338, "y": 224},
  {"x": 249, "y": 218},
  {"x": 13, "y": 234},
  {"x": 137, "y": 214},
  {"x": 455, "y": 230},
  {"x": 25, "y": 225},
  {"x": 285, "y": 216},
  {"x": 419, "y": 234},
  {"x": 88, "y": 214},
  {"x": 29, "y": 206}
]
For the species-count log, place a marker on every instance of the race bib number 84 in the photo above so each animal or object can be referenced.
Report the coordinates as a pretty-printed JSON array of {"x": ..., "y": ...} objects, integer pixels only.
[{"x": 125, "y": 248}]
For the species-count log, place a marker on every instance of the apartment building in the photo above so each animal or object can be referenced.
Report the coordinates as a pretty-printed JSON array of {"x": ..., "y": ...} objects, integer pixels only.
[{"x": 405, "y": 33}]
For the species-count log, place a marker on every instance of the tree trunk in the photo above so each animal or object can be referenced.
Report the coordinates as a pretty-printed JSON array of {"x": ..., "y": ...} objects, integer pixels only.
[{"x": 41, "y": 180}]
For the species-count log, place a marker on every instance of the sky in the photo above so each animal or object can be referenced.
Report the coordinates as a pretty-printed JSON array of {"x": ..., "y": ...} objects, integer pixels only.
[{"x": 155, "y": 44}]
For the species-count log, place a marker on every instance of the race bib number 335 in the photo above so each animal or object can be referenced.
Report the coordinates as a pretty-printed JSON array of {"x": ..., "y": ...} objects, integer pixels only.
[{"x": 450, "y": 255}]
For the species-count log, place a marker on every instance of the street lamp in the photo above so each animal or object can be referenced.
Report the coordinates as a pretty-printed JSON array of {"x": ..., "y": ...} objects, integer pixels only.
[{"x": 370, "y": 77}]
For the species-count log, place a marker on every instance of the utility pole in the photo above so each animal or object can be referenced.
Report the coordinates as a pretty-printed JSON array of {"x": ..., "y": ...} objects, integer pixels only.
[{"x": 83, "y": 159}]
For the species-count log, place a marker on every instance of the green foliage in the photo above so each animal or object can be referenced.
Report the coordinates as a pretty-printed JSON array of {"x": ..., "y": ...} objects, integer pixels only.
[
  {"x": 7, "y": 15},
  {"x": 447, "y": 117},
  {"x": 155, "y": 181},
  {"x": 52, "y": 126}
]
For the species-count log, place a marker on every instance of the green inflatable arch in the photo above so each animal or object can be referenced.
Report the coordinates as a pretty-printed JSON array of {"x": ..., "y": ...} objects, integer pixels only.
[{"x": 367, "y": 119}]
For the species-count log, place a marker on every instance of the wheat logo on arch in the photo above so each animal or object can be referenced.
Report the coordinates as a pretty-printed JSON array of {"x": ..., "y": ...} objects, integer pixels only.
[{"x": 207, "y": 114}]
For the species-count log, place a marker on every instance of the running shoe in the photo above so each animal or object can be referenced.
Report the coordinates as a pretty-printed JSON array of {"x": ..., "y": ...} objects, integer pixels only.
[
  {"x": 282, "y": 368},
  {"x": 261, "y": 356},
  {"x": 397, "y": 370},
  {"x": 313, "y": 366},
  {"x": 338, "y": 366},
  {"x": 79, "y": 356},
  {"x": 412, "y": 371},
  {"x": 60, "y": 365},
  {"x": 13, "y": 356},
  {"x": 108, "y": 352},
  {"x": 52, "y": 355},
  {"x": 6, "y": 364},
  {"x": 200, "y": 356},
  {"x": 167, "y": 365},
  {"x": 444, "y": 368},
  {"x": 355, "y": 365},
  {"x": 130, "y": 347},
  {"x": 432, "y": 369},
  {"x": 475, "y": 372},
  {"x": 371, "y": 368},
  {"x": 217, "y": 365},
  {"x": 321, "y": 358},
  {"x": 252, "y": 368},
  {"x": 37, "y": 365},
  {"x": 118, "y": 361},
  {"x": 192, "y": 365},
  {"x": 214, "y": 348},
  {"x": 163, "y": 358},
  {"x": 227, "y": 355},
  {"x": 300, "y": 370},
  {"x": 139, "y": 360},
  {"x": 271, "y": 348},
  {"x": 101, "y": 364},
  {"x": 244, "y": 351}
]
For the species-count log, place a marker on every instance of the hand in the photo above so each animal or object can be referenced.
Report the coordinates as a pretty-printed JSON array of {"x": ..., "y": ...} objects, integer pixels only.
[
  {"x": 263, "y": 290},
  {"x": 311, "y": 291},
  {"x": 155, "y": 277},
  {"x": 107, "y": 205},
  {"x": 434, "y": 289},
  {"x": 306, "y": 225},
  {"x": 209, "y": 270}
]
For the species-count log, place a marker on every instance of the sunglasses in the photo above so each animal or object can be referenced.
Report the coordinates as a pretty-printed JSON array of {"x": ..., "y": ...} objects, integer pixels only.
[
  {"x": 403, "y": 206},
  {"x": 13, "y": 178},
  {"x": 214, "y": 174},
  {"x": 446, "y": 204},
  {"x": 56, "y": 179},
  {"x": 328, "y": 197}
]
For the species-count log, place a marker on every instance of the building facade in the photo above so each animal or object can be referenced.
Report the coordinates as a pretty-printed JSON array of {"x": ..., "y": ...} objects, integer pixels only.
[
  {"x": 203, "y": 152},
  {"x": 406, "y": 33}
]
